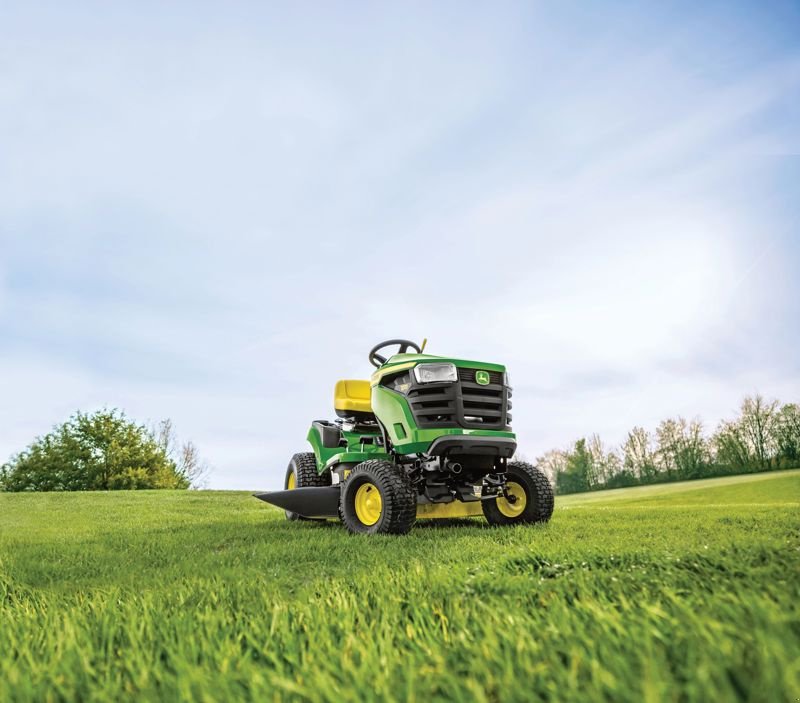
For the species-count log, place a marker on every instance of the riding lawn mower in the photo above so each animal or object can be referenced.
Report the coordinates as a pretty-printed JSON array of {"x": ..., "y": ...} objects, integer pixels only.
[{"x": 425, "y": 437}]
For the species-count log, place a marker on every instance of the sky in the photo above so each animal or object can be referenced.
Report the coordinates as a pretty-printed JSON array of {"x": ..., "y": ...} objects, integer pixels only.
[{"x": 211, "y": 211}]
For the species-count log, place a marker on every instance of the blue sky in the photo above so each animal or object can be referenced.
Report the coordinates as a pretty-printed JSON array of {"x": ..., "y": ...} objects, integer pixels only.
[{"x": 210, "y": 212}]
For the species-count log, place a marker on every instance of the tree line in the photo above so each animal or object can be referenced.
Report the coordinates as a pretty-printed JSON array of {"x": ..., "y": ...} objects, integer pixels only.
[{"x": 764, "y": 436}]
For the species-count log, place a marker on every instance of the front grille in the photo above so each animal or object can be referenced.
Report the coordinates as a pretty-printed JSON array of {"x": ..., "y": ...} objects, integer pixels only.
[
  {"x": 483, "y": 405},
  {"x": 463, "y": 404},
  {"x": 434, "y": 406}
]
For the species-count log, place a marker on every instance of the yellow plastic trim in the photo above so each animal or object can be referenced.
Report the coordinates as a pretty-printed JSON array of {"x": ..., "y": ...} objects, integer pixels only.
[
  {"x": 449, "y": 510},
  {"x": 352, "y": 395},
  {"x": 368, "y": 504},
  {"x": 513, "y": 509}
]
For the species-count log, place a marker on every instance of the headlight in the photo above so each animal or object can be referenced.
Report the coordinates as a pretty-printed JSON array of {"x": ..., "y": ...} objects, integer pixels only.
[
  {"x": 508, "y": 379},
  {"x": 435, "y": 373}
]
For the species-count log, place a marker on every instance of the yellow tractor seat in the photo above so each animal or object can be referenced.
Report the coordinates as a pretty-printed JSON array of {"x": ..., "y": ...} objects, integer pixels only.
[{"x": 352, "y": 399}]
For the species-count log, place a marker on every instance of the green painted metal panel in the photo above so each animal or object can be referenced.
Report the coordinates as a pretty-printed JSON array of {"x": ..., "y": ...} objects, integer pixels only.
[
  {"x": 322, "y": 454},
  {"x": 355, "y": 450}
]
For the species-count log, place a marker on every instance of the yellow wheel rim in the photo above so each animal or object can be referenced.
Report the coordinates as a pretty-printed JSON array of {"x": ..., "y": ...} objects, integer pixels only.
[
  {"x": 291, "y": 482},
  {"x": 368, "y": 504},
  {"x": 514, "y": 509}
]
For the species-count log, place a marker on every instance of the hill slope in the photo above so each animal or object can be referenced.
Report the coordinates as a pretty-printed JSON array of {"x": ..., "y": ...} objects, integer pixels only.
[{"x": 678, "y": 592}]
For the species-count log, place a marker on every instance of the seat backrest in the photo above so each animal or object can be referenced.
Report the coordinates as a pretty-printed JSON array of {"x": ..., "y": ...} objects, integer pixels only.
[{"x": 350, "y": 395}]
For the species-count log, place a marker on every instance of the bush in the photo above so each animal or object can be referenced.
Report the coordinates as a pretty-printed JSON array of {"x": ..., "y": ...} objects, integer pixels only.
[{"x": 98, "y": 452}]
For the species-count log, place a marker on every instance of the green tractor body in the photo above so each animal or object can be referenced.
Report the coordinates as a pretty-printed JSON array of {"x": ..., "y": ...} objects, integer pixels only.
[{"x": 426, "y": 436}]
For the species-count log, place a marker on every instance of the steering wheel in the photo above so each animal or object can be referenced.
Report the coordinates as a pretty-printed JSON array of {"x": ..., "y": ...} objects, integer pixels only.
[{"x": 378, "y": 360}]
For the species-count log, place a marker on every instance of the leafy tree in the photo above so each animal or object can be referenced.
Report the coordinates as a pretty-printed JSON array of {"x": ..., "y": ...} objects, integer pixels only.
[
  {"x": 694, "y": 454},
  {"x": 682, "y": 449},
  {"x": 786, "y": 432},
  {"x": 668, "y": 442},
  {"x": 186, "y": 456},
  {"x": 731, "y": 447},
  {"x": 757, "y": 422},
  {"x": 639, "y": 457},
  {"x": 94, "y": 452},
  {"x": 553, "y": 463},
  {"x": 575, "y": 477},
  {"x": 605, "y": 463},
  {"x": 753, "y": 440}
]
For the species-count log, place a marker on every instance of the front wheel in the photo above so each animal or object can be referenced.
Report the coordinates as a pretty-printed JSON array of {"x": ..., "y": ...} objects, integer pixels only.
[
  {"x": 530, "y": 497},
  {"x": 376, "y": 498},
  {"x": 302, "y": 473}
]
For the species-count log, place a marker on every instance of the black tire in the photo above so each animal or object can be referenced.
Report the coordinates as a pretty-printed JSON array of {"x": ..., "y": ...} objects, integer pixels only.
[
  {"x": 398, "y": 510},
  {"x": 539, "y": 499},
  {"x": 304, "y": 468}
]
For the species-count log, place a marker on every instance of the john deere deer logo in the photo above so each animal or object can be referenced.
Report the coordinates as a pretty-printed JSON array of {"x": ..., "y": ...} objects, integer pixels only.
[{"x": 482, "y": 378}]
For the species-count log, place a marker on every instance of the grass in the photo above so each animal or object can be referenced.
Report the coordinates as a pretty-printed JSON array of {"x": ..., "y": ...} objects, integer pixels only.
[{"x": 683, "y": 592}]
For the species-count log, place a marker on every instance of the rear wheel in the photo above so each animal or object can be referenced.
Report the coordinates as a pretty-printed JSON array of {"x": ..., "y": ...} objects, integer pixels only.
[
  {"x": 377, "y": 497},
  {"x": 302, "y": 473},
  {"x": 530, "y": 497}
]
